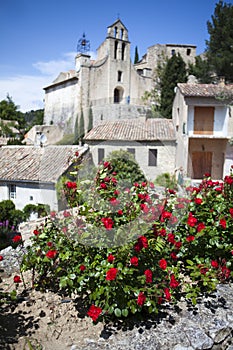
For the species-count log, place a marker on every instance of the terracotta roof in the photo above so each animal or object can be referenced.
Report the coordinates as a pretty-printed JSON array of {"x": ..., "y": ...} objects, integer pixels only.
[
  {"x": 39, "y": 164},
  {"x": 133, "y": 130},
  {"x": 204, "y": 90}
]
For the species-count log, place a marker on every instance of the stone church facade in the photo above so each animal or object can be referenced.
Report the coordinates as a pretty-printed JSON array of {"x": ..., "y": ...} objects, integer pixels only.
[{"x": 109, "y": 88}]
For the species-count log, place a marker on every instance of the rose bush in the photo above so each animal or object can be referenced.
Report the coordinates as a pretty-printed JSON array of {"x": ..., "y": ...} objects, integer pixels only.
[{"x": 124, "y": 250}]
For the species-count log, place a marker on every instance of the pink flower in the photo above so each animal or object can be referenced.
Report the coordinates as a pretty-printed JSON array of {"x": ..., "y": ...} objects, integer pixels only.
[
  {"x": 134, "y": 261},
  {"x": 94, "y": 312},
  {"x": 163, "y": 264},
  {"x": 141, "y": 299},
  {"x": 111, "y": 274},
  {"x": 149, "y": 275}
]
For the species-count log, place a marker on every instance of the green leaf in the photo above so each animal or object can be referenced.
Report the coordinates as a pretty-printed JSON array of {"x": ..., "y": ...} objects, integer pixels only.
[
  {"x": 125, "y": 312},
  {"x": 117, "y": 312}
]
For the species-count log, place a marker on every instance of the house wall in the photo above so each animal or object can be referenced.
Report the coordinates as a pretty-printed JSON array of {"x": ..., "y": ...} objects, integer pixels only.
[
  {"x": 29, "y": 193},
  {"x": 165, "y": 154}
]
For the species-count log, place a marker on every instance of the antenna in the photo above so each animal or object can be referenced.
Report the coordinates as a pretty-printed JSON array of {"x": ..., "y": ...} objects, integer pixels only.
[{"x": 42, "y": 139}]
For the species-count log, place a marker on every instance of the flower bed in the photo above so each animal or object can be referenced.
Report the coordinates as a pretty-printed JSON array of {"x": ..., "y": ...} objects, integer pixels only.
[{"x": 128, "y": 250}]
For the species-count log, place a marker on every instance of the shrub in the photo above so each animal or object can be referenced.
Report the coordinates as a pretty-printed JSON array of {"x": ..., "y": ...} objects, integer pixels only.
[{"x": 125, "y": 250}]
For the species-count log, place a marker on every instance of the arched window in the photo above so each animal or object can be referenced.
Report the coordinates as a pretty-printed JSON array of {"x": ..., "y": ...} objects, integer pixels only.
[
  {"x": 115, "y": 50},
  {"x": 123, "y": 52}
]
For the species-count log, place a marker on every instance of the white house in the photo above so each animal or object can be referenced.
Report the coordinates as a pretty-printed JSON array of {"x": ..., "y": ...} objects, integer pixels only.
[
  {"x": 28, "y": 174},
  {"x": 204, "y": 127},
  {"x": 151, "y": 141}
]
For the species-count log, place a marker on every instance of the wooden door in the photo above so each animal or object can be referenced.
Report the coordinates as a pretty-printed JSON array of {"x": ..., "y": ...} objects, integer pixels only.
[
  {"x": 201, "y": 164},
  {"x": 203, "y": 120}
]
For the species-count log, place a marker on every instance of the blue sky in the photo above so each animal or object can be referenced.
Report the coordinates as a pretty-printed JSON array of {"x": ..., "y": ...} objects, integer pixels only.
[{"x": 38, "y": 38}]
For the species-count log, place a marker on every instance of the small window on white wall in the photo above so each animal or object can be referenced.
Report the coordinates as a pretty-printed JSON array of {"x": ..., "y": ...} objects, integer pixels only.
[
  {"x": 152, "y": 159},
  {"x": 12, "y": 191},
  {"x": 100, "y": 154}
]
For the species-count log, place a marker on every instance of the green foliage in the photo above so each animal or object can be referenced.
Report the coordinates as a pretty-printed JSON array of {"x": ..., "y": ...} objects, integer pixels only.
[
  {"x": 41, "y": 209},
  {"x": 136, "y": 56},
  {"x": 166, "y": 180},
  {"x": 81, "y": 126},
  {"x": 219, "y": 46},
  {"x": 9, "y": 111},
  {"x": 201, "y": 70},
  {"x": 127, "y": 250},
  {"x": 34, "y": 118},
  {"x": 127, "y": 169},
  {"x": 174, "y": 73}
]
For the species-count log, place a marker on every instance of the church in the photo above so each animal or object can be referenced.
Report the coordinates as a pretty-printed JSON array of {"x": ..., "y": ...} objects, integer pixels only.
[{"x": 108, "y": 88}]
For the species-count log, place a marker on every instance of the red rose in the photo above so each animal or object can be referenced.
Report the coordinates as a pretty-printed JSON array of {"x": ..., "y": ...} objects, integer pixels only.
[
  {"x": 200, "y": 227},
  {"x": 16, "y": 238},
  {"x": 231, "y": 212},
  {"x": 49, "y": 244},
  {"x": 225, "y": 272},
  {"x": 223, "y": 223},
  {"x": 165, "y": 215},
  {"x": 111, "y": 274},
  {"x": 173, "y": 282},
  {"x": 94, "y": 312},
  {"x": 167, "y": 294},
  {"x": 120, "y": 212},
  {"x": 36, "y": 232},
  {"x": 71, "y": 185},
  {"x": 228, "y": 180},
  {"x": 141, "y": 299},
  {"x": 82, "y": 268},
  {"x": 1, "y": 257},
  {"x": 173, "y": 256},
  {"x": 190, "y": 238},
  {"x": 163, "y": 264},
  {"x": 17, "y": 279},
  {"x": 198, "y": 200},
  {"x": 143, "y": 241},
  {"x": 107, "y": 165},
  {"x": 114, "y": 202},
  {"x": 191, "y": 220},
  {"x": 134, "y": 261},
  {"x": 108, "y": 223},
  {"x": 103, "y": 186},
  {"x": 77, "y": 153},
  {"x": 51, "y": 254},
  {"x": 110, "y": 258},
  {"x": 149, "y": 275},
  {"x": 178, "y": 244},
  {"x": 214, "y": 264},
  {"x": 171, "y": 238}
]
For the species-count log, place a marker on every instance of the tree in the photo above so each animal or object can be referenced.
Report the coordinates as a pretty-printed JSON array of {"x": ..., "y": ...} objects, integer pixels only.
[
  {"x": 174, "y": 73},
  {"x": 201, "y": 70},
  {"x": 9, "y": 111},
  {"x": 136, "y": 56},
  {"x": 34, "y": 118},
  {"x": 220, "y": 44},
  {"x": 81, "y": 126}
]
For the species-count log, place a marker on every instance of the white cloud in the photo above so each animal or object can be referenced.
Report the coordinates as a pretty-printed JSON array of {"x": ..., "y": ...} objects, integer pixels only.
[{"x": 27, "y": 90}]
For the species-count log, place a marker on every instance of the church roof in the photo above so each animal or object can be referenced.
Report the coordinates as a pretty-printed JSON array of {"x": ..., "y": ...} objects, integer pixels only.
[
  {"x": 36, "y": 164},
  {"x": 205, "y": 90},
  {"x": 153, "y": 129}
]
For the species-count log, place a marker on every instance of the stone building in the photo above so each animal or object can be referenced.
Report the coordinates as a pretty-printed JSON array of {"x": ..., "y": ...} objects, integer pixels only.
[{"x": 110, "y": 87}]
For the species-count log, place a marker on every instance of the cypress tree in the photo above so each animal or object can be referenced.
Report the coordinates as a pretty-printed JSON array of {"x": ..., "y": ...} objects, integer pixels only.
[
  {"x": 81, "y": 126},
  {"x": 90, "y": 119},
  {"x": 136, "y": 57}
]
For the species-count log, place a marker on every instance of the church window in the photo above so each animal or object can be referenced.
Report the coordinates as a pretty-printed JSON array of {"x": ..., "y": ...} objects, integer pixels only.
[
  {"x": 119, "y": 76},
  {"x": 123, "y": 52},
  {"x": 115, "y": 49},
  {"x": 100, "y": 154},
  {"x": 122, "y": 33},
  {"x": 173, "y": 52}
]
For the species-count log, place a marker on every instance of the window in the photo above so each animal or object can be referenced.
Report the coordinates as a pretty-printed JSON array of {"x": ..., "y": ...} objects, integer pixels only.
[
  {"x": 116, "y": 96},
  {"x": 119, "y": 75},
  {"x": 173, "y": 51},
  {"x": 100, "y": 154},
  {"x": 12, "y": 191},
  {"x": 132, "y": 151},
  {"x": 31, "y": 198},
  {"x": 203, "y": 120},
  {"x": 152, "y": 161},
  {"x": 188, "y": 52},
  {"x": 115, "y": 32},
  {"x": 123, "y": 52},
  {"x": 122, "y": 33},
  {"x": 115, "y": 49}
]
